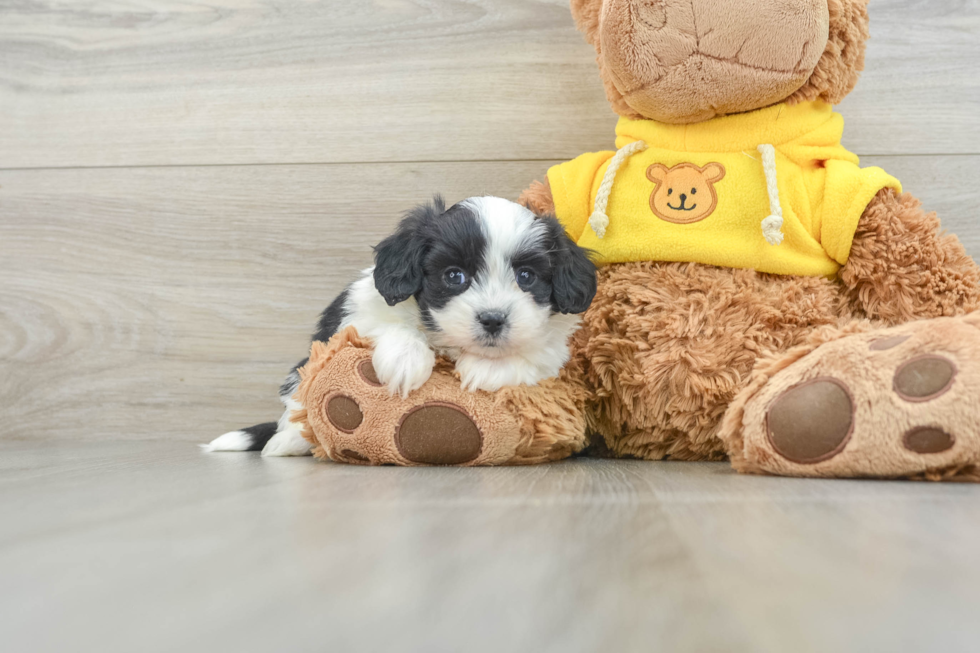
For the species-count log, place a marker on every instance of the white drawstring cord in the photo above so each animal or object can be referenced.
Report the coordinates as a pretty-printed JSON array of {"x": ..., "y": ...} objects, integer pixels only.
[
  {"x": 772, "y": 227},
  {"x": 599, "y": 220}
]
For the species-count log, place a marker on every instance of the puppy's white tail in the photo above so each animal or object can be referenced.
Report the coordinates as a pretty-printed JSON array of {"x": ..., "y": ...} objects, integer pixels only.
[{"x": 253, "y": 438}]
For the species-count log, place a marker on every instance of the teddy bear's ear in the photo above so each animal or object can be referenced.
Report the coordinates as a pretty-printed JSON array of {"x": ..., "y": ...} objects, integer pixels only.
[
  {"x": 713, "y": 172},
  {"x": 586, "y": 15},
  {"x": 657, "y": 173},
  {"x": 842, "y": 61}
]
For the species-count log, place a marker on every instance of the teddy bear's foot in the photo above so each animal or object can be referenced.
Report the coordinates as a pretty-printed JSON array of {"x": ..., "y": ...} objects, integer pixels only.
[
  {"x": 351, "y": 418},
  {"x": 896, "y": 403}
]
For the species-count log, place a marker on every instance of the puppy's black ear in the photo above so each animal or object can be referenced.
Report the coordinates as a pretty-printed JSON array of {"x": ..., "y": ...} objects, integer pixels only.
[
  {"x": 398, "y": 258},
  {"x": 573, "y": 274}
]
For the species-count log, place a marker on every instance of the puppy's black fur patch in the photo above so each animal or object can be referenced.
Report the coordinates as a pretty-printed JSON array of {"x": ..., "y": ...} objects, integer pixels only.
[
  {"x": 456, "y": 240},
  {"x": 538, "y": 262},
  {"x": 259, "y": 435},
  {"x": 399, "y": 258},
  {"x": 289, "y": 386},
  {"x": 573, "y": 274},
  {"x": 331, "y": 318}
]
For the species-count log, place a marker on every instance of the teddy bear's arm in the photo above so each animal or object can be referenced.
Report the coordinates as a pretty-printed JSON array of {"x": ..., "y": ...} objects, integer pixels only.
[
  {"x": 538, "y": 198},
  {"x": 902, "y": 267}
]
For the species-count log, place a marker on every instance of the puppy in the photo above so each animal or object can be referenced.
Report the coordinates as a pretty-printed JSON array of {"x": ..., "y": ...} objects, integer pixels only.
[{"x": 486, "y": 283}]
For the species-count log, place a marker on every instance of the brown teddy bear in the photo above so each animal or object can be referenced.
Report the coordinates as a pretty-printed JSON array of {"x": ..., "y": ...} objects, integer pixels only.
[{"x": 761, "y": 297}]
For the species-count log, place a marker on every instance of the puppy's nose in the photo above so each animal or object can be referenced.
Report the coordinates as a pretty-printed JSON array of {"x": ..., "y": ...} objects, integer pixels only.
[
  {"x": 492, "y": 321},
  {"x": 683, "y": 198}
]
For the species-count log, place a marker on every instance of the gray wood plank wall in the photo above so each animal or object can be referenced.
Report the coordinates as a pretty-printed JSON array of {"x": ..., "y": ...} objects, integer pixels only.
[{"x": 185, "y": 185}]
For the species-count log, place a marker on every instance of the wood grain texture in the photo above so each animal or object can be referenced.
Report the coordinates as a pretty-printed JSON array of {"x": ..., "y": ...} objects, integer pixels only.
[
  {"x": 163, "y": 82},
  {"x": 157, "y": 547},
  {"x": 170, "y": 302}
]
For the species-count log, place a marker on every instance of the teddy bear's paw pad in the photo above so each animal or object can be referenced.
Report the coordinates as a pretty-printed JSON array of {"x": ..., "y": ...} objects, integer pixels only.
[
  {"x": 811, "y": 422},
  {"x": 344, "y": 413},
  {"x": 927, "y": 440},
  {"x": 894, "y": 403},
  {"x": 368, "y": 374},
  {"x": 924, "y": 378},
  {"x": 439, "y": 434}
]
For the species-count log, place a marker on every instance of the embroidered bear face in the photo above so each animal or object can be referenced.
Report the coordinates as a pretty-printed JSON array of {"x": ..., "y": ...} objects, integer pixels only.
[{"x": 685, "y": 193}]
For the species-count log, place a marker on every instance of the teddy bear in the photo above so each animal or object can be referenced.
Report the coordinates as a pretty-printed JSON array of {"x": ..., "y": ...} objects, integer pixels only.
[{"x": 762, "y": 298}]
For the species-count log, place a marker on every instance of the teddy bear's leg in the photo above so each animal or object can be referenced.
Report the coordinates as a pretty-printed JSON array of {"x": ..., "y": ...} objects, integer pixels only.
[
  {"x": 670, "y": 345},
  {"x": 880, "y": 403},
  {"x": 902, "y": 267},
  {"x": 350, "y": 417}
]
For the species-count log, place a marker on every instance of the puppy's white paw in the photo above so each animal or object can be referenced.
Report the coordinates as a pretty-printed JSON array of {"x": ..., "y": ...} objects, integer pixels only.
[
  {"x": 289, "y": 442},
  {"x": 403, "y": 365}
]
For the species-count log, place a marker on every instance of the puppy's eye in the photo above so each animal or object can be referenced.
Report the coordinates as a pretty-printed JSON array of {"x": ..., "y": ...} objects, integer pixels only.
[
  {"x": 670, "y": 191},
  {"x": 455, "y": 277},
  {"x": 694, "y": 191},
  {"x": 526, "y": 278}
]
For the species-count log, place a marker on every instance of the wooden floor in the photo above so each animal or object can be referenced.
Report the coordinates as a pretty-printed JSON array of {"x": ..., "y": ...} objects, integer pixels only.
[
  {"x": 116, "y": 546},
  {"x": 184, "y": 185}
]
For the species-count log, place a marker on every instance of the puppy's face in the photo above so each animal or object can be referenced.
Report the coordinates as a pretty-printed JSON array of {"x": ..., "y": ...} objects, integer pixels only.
[
  {"x": 490, "y": 274},
  {"x": 488, "y": 282}
]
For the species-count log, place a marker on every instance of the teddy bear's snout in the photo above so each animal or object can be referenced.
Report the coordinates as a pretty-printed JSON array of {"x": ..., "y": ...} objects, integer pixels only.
[
  {"x": 684, "y": 205},
  {"x": 684, "y": 61}
]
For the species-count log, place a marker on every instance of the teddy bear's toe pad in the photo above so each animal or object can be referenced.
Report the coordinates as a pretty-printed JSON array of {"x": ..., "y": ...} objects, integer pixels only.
[
  {"x": 894, "y": 403},
  {"x": 924, "y": 378},
  {"x": 812, "y": 421},
  {"x": 344, "y": 413},
  {"x": 927, "y": 439},
  {"x": 438, "y": 434}
]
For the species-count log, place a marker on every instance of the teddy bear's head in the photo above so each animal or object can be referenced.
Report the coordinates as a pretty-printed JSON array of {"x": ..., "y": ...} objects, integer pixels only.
[{"x": 685, "y": 61}]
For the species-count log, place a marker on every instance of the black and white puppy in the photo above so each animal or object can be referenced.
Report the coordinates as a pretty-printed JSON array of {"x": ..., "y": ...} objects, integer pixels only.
[{"x": 486, "y": 283}]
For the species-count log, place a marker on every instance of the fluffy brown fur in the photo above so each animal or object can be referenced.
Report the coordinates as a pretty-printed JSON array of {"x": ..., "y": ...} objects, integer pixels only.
[
  {"x": 586, "y": 14},
  {"x": 671, "y": 344},
  {"x": 902, "y": 266},
  {"x": 538, "y": 198}
]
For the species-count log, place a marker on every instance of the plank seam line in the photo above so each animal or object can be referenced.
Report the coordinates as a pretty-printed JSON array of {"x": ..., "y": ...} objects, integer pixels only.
[{"x": 398, "y": 162}]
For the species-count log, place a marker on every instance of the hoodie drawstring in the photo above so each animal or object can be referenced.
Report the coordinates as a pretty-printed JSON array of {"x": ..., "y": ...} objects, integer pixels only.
[
  {"x": 772, "y": 227},
  {"x": 599, "y": 220}
]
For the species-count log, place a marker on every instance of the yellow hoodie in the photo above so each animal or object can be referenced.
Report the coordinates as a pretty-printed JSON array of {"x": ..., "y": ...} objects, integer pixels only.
[{"x": 701, "y": 193}]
